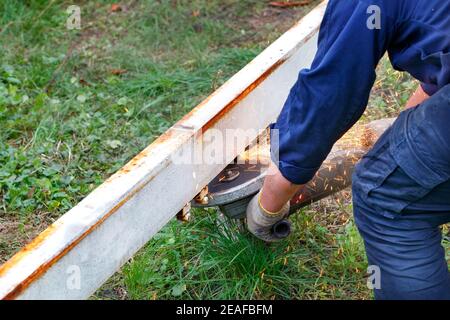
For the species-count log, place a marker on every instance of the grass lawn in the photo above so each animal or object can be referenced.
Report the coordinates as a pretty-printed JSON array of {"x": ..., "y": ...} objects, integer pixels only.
[{"x": 76, "y": 105}]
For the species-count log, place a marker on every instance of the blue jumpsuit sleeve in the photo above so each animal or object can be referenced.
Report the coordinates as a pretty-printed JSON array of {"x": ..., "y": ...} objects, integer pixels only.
[
  {"x": 330, "y": 97},
  {"x": 428, "y": 88}
]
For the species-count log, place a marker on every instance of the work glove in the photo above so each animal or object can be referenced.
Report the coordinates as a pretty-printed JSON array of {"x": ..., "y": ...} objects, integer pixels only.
[{"x": 260, "y": 221}]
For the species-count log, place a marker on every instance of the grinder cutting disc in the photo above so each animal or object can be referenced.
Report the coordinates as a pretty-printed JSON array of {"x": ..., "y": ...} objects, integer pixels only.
[{"x": 233, "y": 187}]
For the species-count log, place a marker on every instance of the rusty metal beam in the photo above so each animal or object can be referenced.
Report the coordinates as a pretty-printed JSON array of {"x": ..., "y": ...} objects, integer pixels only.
[{"x": 95, "y": 238}]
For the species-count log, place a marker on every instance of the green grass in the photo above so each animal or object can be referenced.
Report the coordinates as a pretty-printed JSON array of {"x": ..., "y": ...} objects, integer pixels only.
[
  {"x": 211, "y": 258},
  {"x": 67, "y": 122}
]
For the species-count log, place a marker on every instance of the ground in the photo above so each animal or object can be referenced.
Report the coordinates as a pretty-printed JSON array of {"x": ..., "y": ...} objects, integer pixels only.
[{"x": 76, "y": 105}]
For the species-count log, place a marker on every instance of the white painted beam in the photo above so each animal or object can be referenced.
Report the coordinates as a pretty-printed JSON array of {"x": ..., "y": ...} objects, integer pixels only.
[{"x": 95, "y": 238}]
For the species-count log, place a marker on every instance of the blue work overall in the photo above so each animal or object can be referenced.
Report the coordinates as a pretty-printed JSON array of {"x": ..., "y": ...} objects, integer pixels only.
[
  {"x": 401, "y": 197},
  {"x": 401, "y": 189}
]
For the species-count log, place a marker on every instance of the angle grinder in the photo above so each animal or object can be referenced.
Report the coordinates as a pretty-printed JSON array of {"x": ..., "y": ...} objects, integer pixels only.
[{"x": 233, "y": 188}]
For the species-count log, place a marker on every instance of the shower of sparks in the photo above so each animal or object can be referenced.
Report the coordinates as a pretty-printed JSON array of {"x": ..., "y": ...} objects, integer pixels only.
[
  {"x": 359, "y": 137},
  {"x": 259, "y": 152}
]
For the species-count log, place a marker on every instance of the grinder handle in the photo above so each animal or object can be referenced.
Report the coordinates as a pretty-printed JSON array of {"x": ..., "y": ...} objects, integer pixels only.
[{"x": 281, "y": 229}]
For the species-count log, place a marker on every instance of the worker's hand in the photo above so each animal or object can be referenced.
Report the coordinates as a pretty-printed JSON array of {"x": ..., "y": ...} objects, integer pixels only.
[
  {"x": 417, "y": 98},
  {"x": 260, "y": 221}
]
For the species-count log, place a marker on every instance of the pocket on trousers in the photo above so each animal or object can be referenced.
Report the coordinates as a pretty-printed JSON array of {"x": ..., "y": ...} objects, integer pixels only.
[
  {"x": 374, "y": 167},
  {"x": 383, "y": 183},
  {"x": 397, "y": 191}
]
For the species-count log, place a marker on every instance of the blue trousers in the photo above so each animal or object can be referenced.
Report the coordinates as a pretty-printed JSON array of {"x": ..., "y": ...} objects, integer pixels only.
[{"x": 401, "y": 198}]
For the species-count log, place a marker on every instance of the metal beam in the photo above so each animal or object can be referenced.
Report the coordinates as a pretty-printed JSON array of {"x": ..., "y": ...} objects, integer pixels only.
[{"x": 82, "y": 249}]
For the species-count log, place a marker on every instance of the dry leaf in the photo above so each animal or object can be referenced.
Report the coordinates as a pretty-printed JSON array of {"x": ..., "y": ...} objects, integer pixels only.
[
  {"x": 118, "y": 72},
  {"x": 116, "y": 7},
  {"x": 287, "y": 4},
  {"x": 83, "y": 82}
]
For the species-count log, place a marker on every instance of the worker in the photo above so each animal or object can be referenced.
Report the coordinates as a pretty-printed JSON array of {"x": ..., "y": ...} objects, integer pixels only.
[{"x": 401, "y": 187}]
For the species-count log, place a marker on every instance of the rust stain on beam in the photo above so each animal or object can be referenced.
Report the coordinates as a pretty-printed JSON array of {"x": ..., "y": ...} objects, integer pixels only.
[
  {"x": 27, "y": 249},
  {"x": 44, "y": 235},
  {"x": 242, "y": 95},
  {"x": 169, "y": 134}
]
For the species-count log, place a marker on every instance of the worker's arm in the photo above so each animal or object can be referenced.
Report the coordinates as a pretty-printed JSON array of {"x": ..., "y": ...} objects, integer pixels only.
[
  {"x": 328, "y": 98},
  {"x": 277, "y": 190}
]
